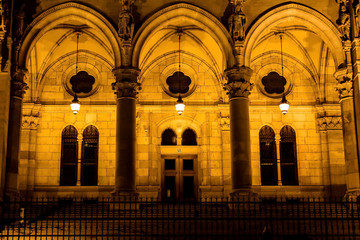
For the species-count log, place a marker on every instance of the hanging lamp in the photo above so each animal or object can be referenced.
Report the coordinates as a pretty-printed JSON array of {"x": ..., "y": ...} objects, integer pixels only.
[
  {"x": 180, "y": 106},
  {"x": 75, "y": 104},
  {"x": 284, "y": 104}
]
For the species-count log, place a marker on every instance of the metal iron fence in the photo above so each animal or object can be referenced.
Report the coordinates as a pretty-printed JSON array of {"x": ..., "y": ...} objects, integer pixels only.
[{"x": 210, "y": 218}]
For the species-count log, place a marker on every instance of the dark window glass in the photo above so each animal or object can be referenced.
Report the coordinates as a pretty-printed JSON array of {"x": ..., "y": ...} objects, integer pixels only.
[
  {"x": 268, "y": 156},
  {"x": 168, "y": 137},
  {"x": 69, "y": 146},
  {"x": 189, "y": 138},
  {"x": 289, "y": 173},
  {"x": 89, "y": 161},
  {"x": 170, "y": 164},
  {"x": 170, "y": 187},
  {"x": 188, "y": 187},
  {"x": 188, "y": 164}
]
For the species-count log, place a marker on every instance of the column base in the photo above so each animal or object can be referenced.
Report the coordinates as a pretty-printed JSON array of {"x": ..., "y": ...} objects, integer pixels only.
[
  {"x": 244, "y": 199},
  {"x": 352, "y": 195},
  {"x": 244, "y": 193},
  {"x": 12, "y": 195},
  {"x": 352, "y": 199}
]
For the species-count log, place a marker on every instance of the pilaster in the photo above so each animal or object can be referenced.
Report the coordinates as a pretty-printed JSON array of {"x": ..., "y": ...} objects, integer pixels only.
[
  {"x": 331, "y": 137},
  {"x": 345, "y": 89},
  {"x": 27, "y": 161}
]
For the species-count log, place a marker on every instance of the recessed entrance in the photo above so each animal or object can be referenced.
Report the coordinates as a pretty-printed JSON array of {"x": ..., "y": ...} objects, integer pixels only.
[{"x": 179, "y": 180}]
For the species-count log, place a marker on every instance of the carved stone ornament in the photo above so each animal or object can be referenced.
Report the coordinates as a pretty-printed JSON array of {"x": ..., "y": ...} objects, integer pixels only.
[
  {"x": 238, "y": 84},
  {"x": 30, "y": 122},
  {"x": 330, "y": 123},
  {"x": 18, "y": 88},
  {"x": 126, "y": 21},
  {"x": 126, "y": 89},
  {"x": 225, "y": 123},
  {"x": 343, "y": 21},
  {"x": 345, "y": 87},
  {"x": 345, "y": 83},
  {"x": 2, "y": 22},
  {"x": 236, "y": 21}
]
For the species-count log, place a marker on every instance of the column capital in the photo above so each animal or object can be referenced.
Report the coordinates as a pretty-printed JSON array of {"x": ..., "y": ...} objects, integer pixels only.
[
  {"x": 238, "y": 84},
  {"x": 345, "y": 83},
  {"x": 30, "y": 121},
  {"x": 18, "y": 86},
  {"x": 126, "y": 84},
  {"x": 329, "y": 123}
]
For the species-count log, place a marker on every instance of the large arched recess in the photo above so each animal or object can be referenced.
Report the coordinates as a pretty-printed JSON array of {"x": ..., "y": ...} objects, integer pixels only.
[
  {"x": 310, "y": 19},
  {"x": 62, "y": 13},
  {"x": 159, "y": 23}
]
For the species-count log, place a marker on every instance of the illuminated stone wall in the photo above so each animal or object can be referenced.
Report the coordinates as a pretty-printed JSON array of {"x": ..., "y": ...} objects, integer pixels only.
[{"x": 311, "y": 53}]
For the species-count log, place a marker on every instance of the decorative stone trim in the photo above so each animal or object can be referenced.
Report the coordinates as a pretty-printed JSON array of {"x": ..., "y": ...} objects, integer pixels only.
[
  {"x": 330, "y": 123},
  {"x": 225, "y": 123},
  {"x": 30, "y": 122}
]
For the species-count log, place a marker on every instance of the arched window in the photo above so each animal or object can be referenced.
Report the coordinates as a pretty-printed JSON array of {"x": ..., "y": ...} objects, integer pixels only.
[
  {"x": 90, "y": 152},
  {"x": 268, "y": 167},
  {"x": 168, "y": 137},
  {"x": 189, "y": 138},
  {"x": 289, "y": 173},
  {"x": 69, "y": 156}
]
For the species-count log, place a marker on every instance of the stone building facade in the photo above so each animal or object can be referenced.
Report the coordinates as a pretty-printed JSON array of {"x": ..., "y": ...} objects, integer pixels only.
[{"x": 242, "y": 57}]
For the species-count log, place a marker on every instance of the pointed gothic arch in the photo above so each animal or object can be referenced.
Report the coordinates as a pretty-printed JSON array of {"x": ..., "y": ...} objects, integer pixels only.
[
  {"x": 62, "y": 13},
  {"x": 310, "y": 18},
  {"x": 193, "y": 14}
]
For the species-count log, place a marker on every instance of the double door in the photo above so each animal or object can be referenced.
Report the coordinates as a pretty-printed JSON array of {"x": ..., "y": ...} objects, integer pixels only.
[{"x": 179, "y": 178}]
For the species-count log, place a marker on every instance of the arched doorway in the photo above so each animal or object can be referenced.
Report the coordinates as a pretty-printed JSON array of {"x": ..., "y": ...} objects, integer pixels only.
[{"x": 179, "y": 170}]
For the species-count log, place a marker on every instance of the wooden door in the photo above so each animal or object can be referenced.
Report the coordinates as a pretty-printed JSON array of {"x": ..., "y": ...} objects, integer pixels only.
[{"x": 179, "y": 178}]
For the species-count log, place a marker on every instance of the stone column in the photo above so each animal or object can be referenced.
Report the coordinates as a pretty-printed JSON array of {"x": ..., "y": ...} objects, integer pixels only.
[
  {"x": 278, "y": 160},
  {"x": 18, "y": 87},
  {"x": 345, "y": 89},
  {"x": 239, "y": 87},
  {"x": 126, "y": 87},
  {"x": 80, "y": 151}
]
